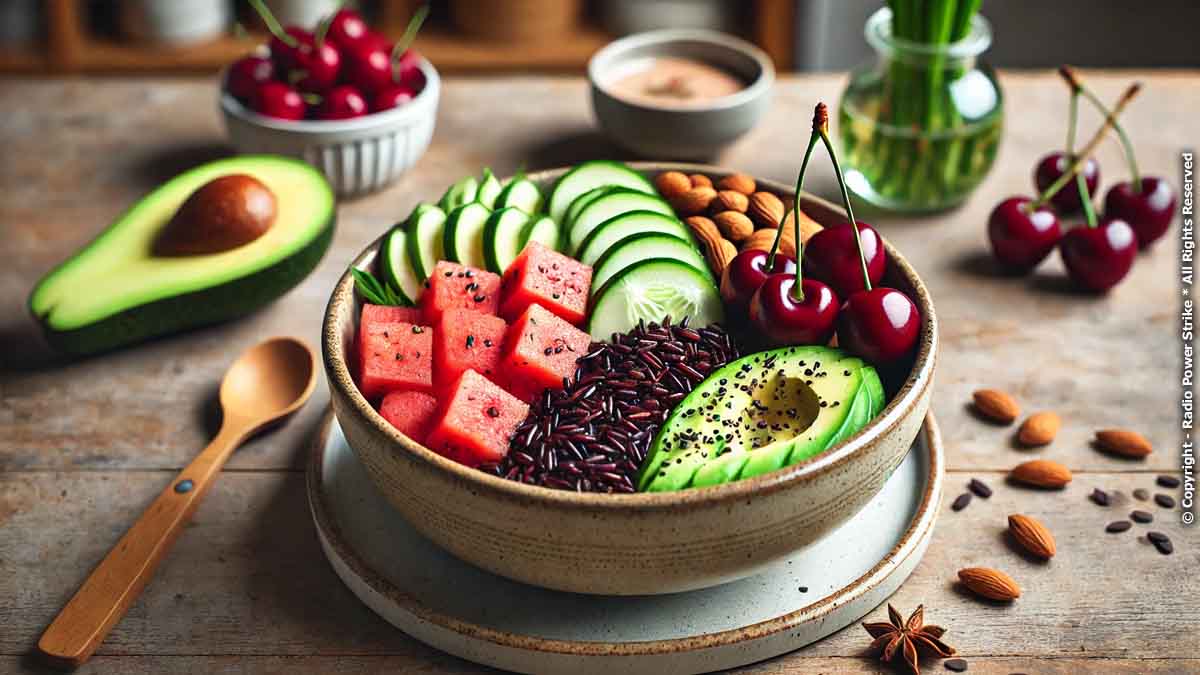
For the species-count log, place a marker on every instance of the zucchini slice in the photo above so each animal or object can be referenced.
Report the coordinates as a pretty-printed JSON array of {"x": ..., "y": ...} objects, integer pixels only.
[
  {"x": 489, "y": 189},
  {"x": 521, "y": 193},
  {"x": 637, "y": 247},
  {"x": 618, "y": 227},
  {"x": 397, "y": 272},
  {"x": 502, "y": 237},
  {"x": 652, "y": 290},
  {"x": 424, "y": 227},
  {"x": 462, "y": 192},
  {"x": 590, "y": 175},
  {"x": 609, "y": 206},
  {"x": 544, "y": 231},
  {"x": 463, "y": 236}
]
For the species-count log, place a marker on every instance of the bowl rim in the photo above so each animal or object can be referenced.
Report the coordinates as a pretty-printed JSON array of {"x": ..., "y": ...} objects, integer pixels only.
[
  {"x": 601, "y": 62},
  {"x": 902, "y": 404},
  {"x": 433, "y": 84}
]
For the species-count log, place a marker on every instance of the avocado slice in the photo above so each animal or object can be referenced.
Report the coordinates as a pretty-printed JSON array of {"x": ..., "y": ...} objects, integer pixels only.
[
  {"x": 115, "y": 291},
  {"x": 758, "y": 414}
]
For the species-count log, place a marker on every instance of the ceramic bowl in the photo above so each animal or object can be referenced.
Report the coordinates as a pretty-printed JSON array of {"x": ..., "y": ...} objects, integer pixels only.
[
  {"x": 641, "y": 543},
  {"x": 688, "y": 130},
  {"x": 358, "y": 155}
]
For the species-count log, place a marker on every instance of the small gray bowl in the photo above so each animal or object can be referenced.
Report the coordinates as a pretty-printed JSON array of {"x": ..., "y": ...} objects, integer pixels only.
[{"x": 683, "y": 131}]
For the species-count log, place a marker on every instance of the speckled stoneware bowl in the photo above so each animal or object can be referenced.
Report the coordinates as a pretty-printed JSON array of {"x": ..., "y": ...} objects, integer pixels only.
[{"x": 630, "y": 544}]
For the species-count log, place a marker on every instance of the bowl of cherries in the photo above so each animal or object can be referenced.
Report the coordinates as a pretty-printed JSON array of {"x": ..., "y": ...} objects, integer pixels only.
[{"x": 341, "y": 97}]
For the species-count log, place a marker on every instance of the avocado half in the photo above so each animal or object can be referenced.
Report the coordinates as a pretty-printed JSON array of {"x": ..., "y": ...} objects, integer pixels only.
[{"x": 115, "y": 291}]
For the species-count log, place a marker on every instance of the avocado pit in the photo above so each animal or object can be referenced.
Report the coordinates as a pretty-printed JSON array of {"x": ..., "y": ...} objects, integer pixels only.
[{"x": 223, "y": 214}]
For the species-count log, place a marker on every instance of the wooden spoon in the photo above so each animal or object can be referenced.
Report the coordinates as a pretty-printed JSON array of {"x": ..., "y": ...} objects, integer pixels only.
[{"x": 268, "y": 382}]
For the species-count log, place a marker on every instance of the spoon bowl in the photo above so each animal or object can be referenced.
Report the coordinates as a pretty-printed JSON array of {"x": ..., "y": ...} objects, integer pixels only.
[{"x": 268, "y": 381}]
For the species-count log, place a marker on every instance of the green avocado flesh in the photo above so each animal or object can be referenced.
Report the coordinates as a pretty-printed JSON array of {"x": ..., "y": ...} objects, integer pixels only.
[
  {"x": 115, "y": 291},
  {"x": 761, "y": 413}
]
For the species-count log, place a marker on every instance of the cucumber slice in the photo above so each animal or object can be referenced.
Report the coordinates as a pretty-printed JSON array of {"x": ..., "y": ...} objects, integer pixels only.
[
  {"x": 394, "y": 264},
  {"x": 608, "y": 206},
  {"x": 590, "y": 175},
  {"x": 637, "y": 247},
  {"x": 652, "y": 290},
  {"x": 502, "y": 238},
  {"x": 424, "y": 227},
  {"x": 582, "y": 201},
  {"x": 462, "y": 192},
  {"x": 615, "y": 229},
  {"x": 463, "y": 236},
  {"x": 544, "y": 231},
  {"x": 489, "y": 189},
  {"x": 521, "y": 193}
]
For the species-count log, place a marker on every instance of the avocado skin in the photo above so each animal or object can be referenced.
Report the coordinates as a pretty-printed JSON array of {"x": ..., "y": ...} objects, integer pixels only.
[{"x": 191, "y": 310}]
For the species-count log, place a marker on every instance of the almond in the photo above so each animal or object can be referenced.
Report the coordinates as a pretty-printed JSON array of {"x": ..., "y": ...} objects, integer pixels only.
[
  {"x": 762, "y": 240},
  {"x": 1042, "y": 473},
  {"x": 719, "y": 255},
  {"x": 672, "y": 184},
  {"x": 765, "y": 209},
  {"x": 1032, "y": 536},
  {"x": 728, "y": 200},
  {"x": 1124, "y": 443},
  {"x": 989, "y": 583},
  {"x": 1039, "y": 429},
  {"x": 733, "y": 225},
  {"x": 694, "y": 201},
  {"x": 738, "y": 182},
  {"x": 700, "y": 180},
  {"x": 996, "y": 406},
  {"x": 808, "y": 226}
]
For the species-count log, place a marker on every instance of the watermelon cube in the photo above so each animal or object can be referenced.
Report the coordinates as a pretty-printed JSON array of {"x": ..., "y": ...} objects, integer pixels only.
[
  {"x": 389, "y": 314},
  {"x": 394, "y": 356},
  {"x": 541, "y": 350},
  {"x": 466, "y": 339},
  {"x": 546, "y": 277},
  {"x": 411, "y": 412},
  {"x": 477, "y": 420},
  {"x": 454, "y": 286}
]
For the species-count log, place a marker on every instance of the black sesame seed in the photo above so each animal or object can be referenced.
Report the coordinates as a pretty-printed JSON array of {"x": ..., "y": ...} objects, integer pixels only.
[
  {"x": 479, "y": 298},
  {"x": 1141, "y": 517},
  {"x": 1100, "y": 497},
  {"x": 1167, "y": 481},
  {"x": 493, "y": 412},
  {"x": 418, "y": 329},
  {"x": 1118, "y": 526},
  {"x": 980, "y": 488},
  {"x": 961, "y": 501},
  {"x": 470, "y": 341},
  {"x": 1165, "y": 501}
]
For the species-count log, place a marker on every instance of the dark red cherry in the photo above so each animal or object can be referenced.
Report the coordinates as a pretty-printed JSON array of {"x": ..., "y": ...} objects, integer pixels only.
[
  {"x": 246, "y": 74},
  {"x": 1148, "y": 212},
  {"x": 784, "y": 320},
  {"x": 283, "y": 54},
  {"x": 880, "y": 325},
  {"x": 1021, "y": 238},
  {"x": 831, "y": 255},
  {"x": 392, "y": 97},
  {"x": 343, "y": 102},
  {"x": 408, "y": 70},
  {"x": 745, "y": 273},
  {"x": 346, "y": 28},
  {"x": 369, "y": 64},
  {"x": 1097, "y": 258},
  {"x": 1052, "y": 167},
  {"x": 276, "y": 99},
  {"x": 316, "y": 67}
]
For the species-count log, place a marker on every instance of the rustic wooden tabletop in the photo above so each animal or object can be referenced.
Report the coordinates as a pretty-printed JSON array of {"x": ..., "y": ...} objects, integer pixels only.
[{"x": 84, "y": 446}]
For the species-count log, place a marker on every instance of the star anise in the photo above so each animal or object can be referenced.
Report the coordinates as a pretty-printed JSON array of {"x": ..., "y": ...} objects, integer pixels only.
[{"x": 907, "y": 638}]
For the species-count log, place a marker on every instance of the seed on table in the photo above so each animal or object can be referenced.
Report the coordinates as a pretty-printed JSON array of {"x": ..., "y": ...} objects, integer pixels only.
[
  {"x": 1161, "y": 542},
  {"x": 980, "y": 488},
  {"x": 1167, "y": 481},
  {"x": 1118, "y": 526},
  {"x": 956, "y": 665},
  {"x": 1142, "y": 494},
  {"x": 1141, "y": 517},
  {"x": 1165, "y": 501},
  {"x": 1100, "y": 497},
  {"x": 961, "y": 501}
]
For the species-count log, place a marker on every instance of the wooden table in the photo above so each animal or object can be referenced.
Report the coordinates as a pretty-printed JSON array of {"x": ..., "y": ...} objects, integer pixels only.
[{"x": 84, "y": 446}]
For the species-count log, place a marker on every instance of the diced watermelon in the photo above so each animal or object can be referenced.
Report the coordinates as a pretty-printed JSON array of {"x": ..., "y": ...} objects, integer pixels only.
[
  {"x": 395, "y": 356},
  {"x": 477, "y": 421},
  {"x": 411, "y": 412},
  {"x": 541, "y": 350},
  {"x": 454, "y": 286},
  {"x": 466, "y": 339},
  {"x": 389, "y": 314},
  {"x": 548, "y": 278}
]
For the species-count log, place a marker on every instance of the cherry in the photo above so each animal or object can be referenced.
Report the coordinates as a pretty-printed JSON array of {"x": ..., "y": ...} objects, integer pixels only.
[
  {"x": 246, "y": 74},
  {"x": 341, "y": 103},
  {"x": 746, "y": 272},
  {"x": 1148, "y": 211},
  {"x": 1097, "y": 258},
  {"x": 346, "y": 28},
  {"x": 784, "y": 319},
  {"x": 880, "y": 325},
  {"x": 316, "y": 66},
  {"x": 276, "y": 99},
  {"x": 392, "y": 97},
  {"x": 284, "y": 54},
  {"x": 369, "y": 64},
  {"x": 409, "y": 73},
  {"x": 1022, "y": 235},
  {"x": 832, "y": 255},
  {"x": 1052, "y": 167}
]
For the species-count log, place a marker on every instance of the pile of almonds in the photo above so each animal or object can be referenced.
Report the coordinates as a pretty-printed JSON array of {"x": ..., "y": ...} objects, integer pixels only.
[{"x": 731, "y": 216}]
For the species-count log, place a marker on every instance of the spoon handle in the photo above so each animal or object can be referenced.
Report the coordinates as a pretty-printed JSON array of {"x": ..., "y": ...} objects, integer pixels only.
[{"x": 118, "y": 580}]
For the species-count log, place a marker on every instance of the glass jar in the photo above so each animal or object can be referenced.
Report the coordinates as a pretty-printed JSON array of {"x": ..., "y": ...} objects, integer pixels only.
[{"x": 919, "y": 127}]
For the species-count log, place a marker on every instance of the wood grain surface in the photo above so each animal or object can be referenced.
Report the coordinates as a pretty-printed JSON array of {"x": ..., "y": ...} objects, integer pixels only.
[{"x": 85, "y": 446}]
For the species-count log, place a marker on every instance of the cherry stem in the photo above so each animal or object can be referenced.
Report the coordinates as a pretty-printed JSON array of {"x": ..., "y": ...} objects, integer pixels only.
[
  {"x": 273, "y": 24},
  {"x": 821, "y": 124},
  {"x": 1073, "y": 116},
  {"x": 1086, "y": 199},
  {"x": 1126, "y": 144},
  {"x": 410, "y": 34},
  {"x": 323, "y": 27},
  {"x": 798, "y": 289}
]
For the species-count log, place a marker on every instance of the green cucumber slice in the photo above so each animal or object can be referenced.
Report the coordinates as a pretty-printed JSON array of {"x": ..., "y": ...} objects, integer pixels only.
[
  {"x": 424, "y": 227},
  {"x": 590, "y": 175},
  {"x": 544, "y": 231},
  {"x": 637, "y": 247},
  {"x": 609, "y": 206},
  {"x": 489, "y": 189},
  {"x": 462, "y": 192},
  {"x": 582, "y": 201},
  {"x": 652, "y": 290},
  {"x": 502, "y": 238},
  {"x": 618, "y": 227},
  {"x": 394, "y": 264},
  {"x": 463, "y": 237},
  {"x": 521, "y": 193}
]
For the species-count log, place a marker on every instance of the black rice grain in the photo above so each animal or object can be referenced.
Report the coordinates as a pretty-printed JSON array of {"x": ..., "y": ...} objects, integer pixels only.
[
  {"x": 1141, "y": 494},
  {"x": 1142, "y": 517},
  {"x": 980, "y": 488},
  {"x": 1118, "y": 526},
  {"x": 961, "y": 501},
  {"x": 1167, "y": 481},
  {"x": 1161, "y": 542},
  {"x": 1100, "y": 497},
  {"x": 1165, "y": 501}
]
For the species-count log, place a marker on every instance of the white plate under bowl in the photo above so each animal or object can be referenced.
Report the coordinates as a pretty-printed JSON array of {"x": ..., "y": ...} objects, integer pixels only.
[{"x": 463, "y": 610}]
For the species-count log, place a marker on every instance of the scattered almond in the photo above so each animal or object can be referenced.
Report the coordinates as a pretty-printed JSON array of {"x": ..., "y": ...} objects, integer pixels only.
[
  {"x": 765, "y": 209},
  {"x": 996, "y": 405},
  {"x": 672, "y": 184},
  {"x": 728, "y": 200},
  {"x": 719, "y": 255},
  {"x": 716, "y": 248},
  {"x": 1043, "y": 473},
  {"x": 1124, "y": 443},
  {"x": 808, "y": 226},
  {"x": 1032, "y": 536},
  {"x": 738, "y": 182},
  {"x": 1039, "y": 429},
  {"x": 700, "y": 180},
  {"x": 694, "y": 201},
  {"x": 733, "y": 225},
  {"x": 762, "y": 240},
  {"x": 989, "y": 583}
]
